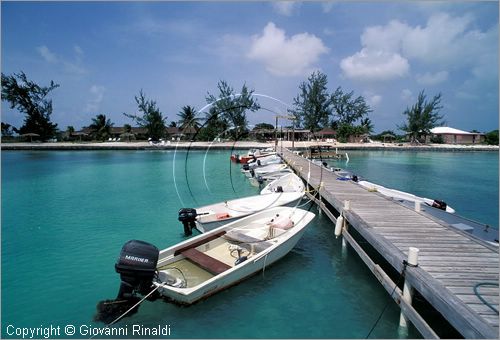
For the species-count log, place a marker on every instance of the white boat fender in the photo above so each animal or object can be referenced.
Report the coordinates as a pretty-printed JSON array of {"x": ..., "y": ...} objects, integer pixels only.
[{"x": 338, "y": 226}]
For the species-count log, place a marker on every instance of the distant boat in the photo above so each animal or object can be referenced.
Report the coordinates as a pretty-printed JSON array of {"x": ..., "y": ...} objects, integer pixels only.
[
  {"x": 396, "y": 194},
  {"x": 211, "y": 262},
  {"x": 214, "y": 215},
  {"x": 264, "y": 179},
  {"x": 287, "y": 183},
  {"x": 253, "y": 154},
  {"x": 259, "y": 162},
  {"x": 266, "y": 169}
]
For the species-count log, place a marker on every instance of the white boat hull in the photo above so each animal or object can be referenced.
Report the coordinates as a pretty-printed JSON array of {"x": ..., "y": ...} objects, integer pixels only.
[
  {"x": 279, "y": 247},
  {"x": 239, "y": 208}
]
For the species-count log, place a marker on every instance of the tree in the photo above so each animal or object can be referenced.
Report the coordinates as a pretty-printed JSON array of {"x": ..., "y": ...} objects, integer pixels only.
[
  {"x": 188, "y": 118},
  {"x": 491, "y": 137},
  {"x": 263, "y": 126},
  {"x": 127, "y": 128},
  {"x": 422, "y": 116},
  {"x": 367, "y": 125},
  {"x": 215, "y": 125},
  {"x": 101, "y": 127},
  {"x": 347, "y": 109},
  {"x": 152, "y": 118},
  {"x": 231, "y": 108},
  {"x": 8, "y": 130},
  {"x": 312, "y": 106},
  {"x": 30, "y": 99}
]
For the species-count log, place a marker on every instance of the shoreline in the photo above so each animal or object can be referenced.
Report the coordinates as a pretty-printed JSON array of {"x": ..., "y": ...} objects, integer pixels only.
[{"x": 243, "y": 145}]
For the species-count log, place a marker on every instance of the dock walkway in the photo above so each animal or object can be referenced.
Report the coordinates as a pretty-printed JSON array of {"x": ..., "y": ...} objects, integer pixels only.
[{"x": 451, "y": 262}]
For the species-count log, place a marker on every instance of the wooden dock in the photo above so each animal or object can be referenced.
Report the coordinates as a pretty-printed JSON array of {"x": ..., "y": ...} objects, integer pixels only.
[{"x": 451, "y": 262}]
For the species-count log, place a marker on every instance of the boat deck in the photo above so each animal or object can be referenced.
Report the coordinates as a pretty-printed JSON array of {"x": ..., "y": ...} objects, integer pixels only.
[{"x": 451, "y": 262}]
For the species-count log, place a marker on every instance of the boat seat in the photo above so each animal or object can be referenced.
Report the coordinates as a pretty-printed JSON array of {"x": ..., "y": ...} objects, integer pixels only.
[
  {"x": 206, "y": 262},
  {"x": 259, "y": 245}
]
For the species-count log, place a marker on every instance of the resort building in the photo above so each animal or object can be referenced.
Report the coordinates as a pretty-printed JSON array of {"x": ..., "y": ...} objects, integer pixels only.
[{"x": 454, "y": 136}]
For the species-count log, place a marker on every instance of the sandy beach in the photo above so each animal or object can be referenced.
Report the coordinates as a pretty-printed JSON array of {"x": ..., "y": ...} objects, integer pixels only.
[{"x": 240, "y": 145}]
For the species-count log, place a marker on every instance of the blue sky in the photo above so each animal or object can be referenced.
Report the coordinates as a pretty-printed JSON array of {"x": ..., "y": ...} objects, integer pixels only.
[{"x": 103, "y": 53}]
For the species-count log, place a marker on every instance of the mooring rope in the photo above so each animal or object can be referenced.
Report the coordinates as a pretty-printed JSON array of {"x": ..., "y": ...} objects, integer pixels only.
[{"x": 137, "y": 304}]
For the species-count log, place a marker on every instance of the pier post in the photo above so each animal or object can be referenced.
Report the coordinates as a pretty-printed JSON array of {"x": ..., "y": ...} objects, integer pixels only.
[
  {"x": 417, "y": 206},
  {"x": 408, "y": 289},
  {"x": 347, "y": 205}
]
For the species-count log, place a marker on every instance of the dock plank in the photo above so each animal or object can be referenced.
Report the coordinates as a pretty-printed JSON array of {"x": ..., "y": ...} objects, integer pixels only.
[{"x": 451, "y": 262}]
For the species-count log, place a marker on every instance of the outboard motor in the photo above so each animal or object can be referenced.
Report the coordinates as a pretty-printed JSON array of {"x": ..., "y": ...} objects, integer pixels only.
[
  {"x": 137, "y": 267},
  {"x": 260, "y": 180},
  {"x": 258, "y": 162},
  {"x": 246, "y": 167},
  {"x": 252, "y": 173},
  {"x": 279, "y": 188},
  {"x": 188, "y": 216},
  {"x": 439, "y": 204},
  {"x": 355, "y": 178}
]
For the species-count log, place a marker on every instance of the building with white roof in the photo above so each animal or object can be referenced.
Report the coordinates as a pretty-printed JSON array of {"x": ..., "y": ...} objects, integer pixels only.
[{"x": 456, "y": 136}]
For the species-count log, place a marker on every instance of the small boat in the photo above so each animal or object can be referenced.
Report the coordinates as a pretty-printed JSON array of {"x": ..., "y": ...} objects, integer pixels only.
[
  {"x": 260, "y": 180},
  {"x": 253, "y": 154},
  {"x": 215, "y": 215},
  {"x": 266, "y": 169},
  {"x": 272, "y": 159},
  {"x": 401, "y": 195},
  {"x": 206, "y": 264},
  {"x": 287, "y": 183}
]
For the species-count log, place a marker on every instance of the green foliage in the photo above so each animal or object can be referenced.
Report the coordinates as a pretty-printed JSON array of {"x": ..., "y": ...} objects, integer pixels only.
[
  {"x": 491, "y": 137},
  {"x": 437, "y": 139},
  {"x": 101, "y": 127},
  {"x": 30, "y": 99},
  {"x": 151, "y": 119},
  {"x": 127, "y": 128},
  {"x": 263, "y": 126},
  {"x": 214, "y": 127},
  {"x": 367, "y": 125},
  {"x": 8, "y": 130},
  {"x": 348, "y": 109},
  {"x": 188, "y": 118},
  {"x": 230, "y": 111},
  {"x": 422, "y": 116},
  {"x": 312, "y": 106},
  {"x": 344, "y": 131}
]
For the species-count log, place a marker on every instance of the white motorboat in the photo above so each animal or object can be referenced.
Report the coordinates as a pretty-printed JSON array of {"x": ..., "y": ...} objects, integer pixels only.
[
  {"x": 259, "y": 162},
  {"x": 211, "y": 262},
  {"x": 260, "y": 171},
  {"x": 215, "y": 215},
  {"x": 260, "y": 180},
  {"x": 287, "y": 183},
  {"x": 401, "y": 195}
]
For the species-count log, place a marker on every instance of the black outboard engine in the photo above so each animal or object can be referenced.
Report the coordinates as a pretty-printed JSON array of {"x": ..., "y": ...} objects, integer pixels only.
[
  {"x": 252, "y": 173},
  {"x": 137, "y": 267},
  {"x": 246, "y": 167},
  {"x": 279, "y": 188},
  {"x": 439, "y": 204},
  {"x": 355, "y": 178},
  {"x": 258, "y": 162},
  {"x": 188, "y": 216}
]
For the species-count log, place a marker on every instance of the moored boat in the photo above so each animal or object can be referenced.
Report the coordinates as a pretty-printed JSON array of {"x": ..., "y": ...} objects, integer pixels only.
[
  {"x": 264, "y": 179},
  {"x": 205, "y": 264},
  {"x": 287, "y": 183},
  {"x": 212, "y": 216}
]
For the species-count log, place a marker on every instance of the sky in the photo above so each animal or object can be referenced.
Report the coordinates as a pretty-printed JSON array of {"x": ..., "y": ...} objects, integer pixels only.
[{"x": 103, "y": 53}]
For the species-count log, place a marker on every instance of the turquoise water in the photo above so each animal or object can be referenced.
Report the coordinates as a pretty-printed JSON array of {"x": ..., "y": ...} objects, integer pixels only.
[
  {"x": 467, "y": 181},
  {"x": 65, "y": 216}
]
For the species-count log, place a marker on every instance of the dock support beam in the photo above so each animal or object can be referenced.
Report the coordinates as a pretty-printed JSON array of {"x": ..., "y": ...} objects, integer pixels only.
[{"x": 408, "y": 289}]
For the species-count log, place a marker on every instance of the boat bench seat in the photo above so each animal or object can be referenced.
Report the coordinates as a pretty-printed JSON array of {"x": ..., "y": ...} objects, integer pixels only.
[
  {"x": 206, "y": 262},
  {"x": 258, "y": 245}
]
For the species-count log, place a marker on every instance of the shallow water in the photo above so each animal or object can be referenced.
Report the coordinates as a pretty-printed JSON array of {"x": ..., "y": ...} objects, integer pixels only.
[{"x": 65, "y": 216}]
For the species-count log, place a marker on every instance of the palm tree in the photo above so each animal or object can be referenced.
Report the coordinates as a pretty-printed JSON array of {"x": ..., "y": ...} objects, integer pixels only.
[
  {"x": 188, "y": 118},
  {"x": 101, "y": 127},
  {"x": 367, "y": 125}
]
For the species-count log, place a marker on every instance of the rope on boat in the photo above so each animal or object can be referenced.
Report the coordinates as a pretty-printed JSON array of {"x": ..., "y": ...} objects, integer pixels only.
[{"x": 131, "y": 308}]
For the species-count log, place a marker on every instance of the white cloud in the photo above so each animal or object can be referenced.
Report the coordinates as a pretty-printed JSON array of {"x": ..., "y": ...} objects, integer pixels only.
[
  {"x": 286, "y": 56},
  {"x": 372, "y": 65},
  {"x": 285, "y": 8},
  {"x": 372, "y": 99},
  {"x": 97, "y": 96},
  {"x": 445, "y": 41},
  {"x": 46, "y": 54},
  {"x": 432, "y": 78},
  {"x": 327, "y": 6},
  {"x": 406, "y": 95}
]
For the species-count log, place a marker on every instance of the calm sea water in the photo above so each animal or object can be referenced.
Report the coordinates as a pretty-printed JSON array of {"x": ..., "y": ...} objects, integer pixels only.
[{"x": 65, "y": 216}]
